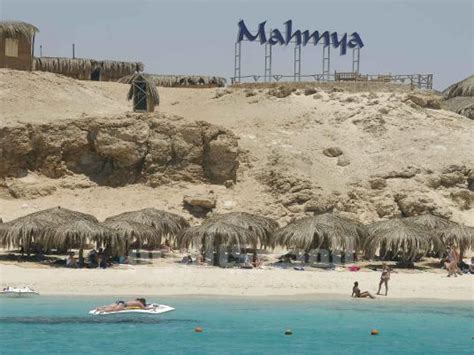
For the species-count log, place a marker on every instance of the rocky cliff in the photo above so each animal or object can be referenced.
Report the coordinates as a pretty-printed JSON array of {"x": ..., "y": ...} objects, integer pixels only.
[{"x": 147, "y": 148}]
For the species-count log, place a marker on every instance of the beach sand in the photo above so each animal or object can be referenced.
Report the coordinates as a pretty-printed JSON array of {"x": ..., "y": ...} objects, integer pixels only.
[{"x": 175, "y": 279}]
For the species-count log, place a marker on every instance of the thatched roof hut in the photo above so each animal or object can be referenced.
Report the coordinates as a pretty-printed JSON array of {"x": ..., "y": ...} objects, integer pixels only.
[
  {"x": 36, "y": 226},
  {"x": 327, "y": 231},
  {"x": 165, "y": 223},
  {"x": 87, "y": 69},
  {"x": 132, "y": 233},
  {"x": 17, "y": 44},
  {"x": 143, "y": 92},
  {"x": 400, "y": 237},
  {"x": 262, "y": 227},
  {"x": 16, "y": 29}
]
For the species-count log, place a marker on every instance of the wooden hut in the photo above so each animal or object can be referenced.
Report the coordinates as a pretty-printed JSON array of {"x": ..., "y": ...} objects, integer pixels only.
[
  {"x": 16, "y": 45},
  {"x": 143, "y": 93}
]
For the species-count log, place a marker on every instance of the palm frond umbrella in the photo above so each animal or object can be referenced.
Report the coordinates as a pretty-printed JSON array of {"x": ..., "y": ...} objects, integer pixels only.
[
  {"x": 326, "y": 231},
  {"x": 263, "y": 227},
  {"x": 34, "y": 227},
  {"x": 59, "y": 215},
  {"x": 167, "y": 224},
  {"x": 216, "y": 233},
  {"x": 399, "y": 236},
  {"x": 76, "y": 234},
  {"x": 429, "y": 221},
  {"x": 129, "y": 233},
  {"x": 459, "y": 235}
]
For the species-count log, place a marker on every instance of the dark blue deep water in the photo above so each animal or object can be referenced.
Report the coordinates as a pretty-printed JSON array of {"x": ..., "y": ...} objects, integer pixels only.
[{"x": 238, "y": 326}]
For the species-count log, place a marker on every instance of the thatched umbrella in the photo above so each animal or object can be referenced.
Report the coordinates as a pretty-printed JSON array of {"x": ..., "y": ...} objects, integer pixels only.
[
  {"x": 450, "y": 233},
  {"x": 400, "y": 236},
  {"x": 262, "y": 227},
  {"x": 76, "y": 234},
  {"x": 36, "y": 226},
  {"x": 458, "y": 235},
  {"x": 167, "y": 224},
  {"x": 216, "y": 233},
  {"x": 129, "y": 233},
  {"x": 429, "y": 221},
  {"x": 327, "y": 231}
]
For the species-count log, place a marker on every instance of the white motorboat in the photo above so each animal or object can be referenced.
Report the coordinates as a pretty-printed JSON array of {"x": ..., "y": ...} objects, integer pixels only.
[
  {"x": 151, "y": 308},
  {"x": 18, "y": 292}
]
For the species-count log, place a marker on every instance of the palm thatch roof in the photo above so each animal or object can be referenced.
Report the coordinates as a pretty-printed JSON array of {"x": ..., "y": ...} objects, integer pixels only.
[
  {"x": 129, "y": 233},
  {"x": 262, "y": 227},
  {"x": 15, "y": 29},
  {"x": 151, "y": 89},
  {"x": 182, "y": 80},
  {"x": 77, "y": 233},
  {"x": 400, "y": 236},
  {"x": 458, "y": 235},
  {"x": 429, "y": 221},
  {"x": 165, "y": 223},
  {"x": 82, "y": 67},
  {"x": 216, "y": 233},
  {"x": 462, "y": 88},
  {"x": 36, "y": 226},
  {"x": 326, "y": 231}
]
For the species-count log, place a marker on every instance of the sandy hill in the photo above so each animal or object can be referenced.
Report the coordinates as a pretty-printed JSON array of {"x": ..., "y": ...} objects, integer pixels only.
[{"x": 371, "y": 153}]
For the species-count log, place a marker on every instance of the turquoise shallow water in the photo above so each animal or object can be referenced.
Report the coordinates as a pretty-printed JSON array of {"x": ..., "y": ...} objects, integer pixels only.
[{"x": 238, "y": 326}]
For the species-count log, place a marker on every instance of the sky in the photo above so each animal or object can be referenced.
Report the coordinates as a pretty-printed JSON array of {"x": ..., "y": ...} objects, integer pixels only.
[{"x": 197, "y": 37}]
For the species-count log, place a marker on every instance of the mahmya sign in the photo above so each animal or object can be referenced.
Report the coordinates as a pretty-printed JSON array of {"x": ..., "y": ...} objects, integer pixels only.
[{"x": 298, "y": 38}]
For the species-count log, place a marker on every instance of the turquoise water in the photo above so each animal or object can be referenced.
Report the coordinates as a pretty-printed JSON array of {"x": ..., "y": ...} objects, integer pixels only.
[{"x": 238, "y": 326}]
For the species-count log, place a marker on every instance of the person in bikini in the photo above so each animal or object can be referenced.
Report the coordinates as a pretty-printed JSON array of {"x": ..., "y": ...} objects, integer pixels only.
[
  {"x": 121, "y": 305},
  {"x": 384, "y": 278},
  {"x": 357, "y": 294}
]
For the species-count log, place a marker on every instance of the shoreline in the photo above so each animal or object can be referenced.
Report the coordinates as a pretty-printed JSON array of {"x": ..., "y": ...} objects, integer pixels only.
[{"x": 196, "y": 281}]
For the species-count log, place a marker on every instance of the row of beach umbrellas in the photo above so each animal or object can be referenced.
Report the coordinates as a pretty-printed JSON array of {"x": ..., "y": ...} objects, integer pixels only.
[{"x": 411, "y": 237}]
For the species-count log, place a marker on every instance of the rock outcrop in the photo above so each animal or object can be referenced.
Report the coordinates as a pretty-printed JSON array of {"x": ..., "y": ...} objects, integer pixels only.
[{"x": 148, "y": 148}]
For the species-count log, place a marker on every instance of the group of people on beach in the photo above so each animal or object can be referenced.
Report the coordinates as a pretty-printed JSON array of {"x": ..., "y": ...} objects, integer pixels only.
[{"x": 384, "y": 278}]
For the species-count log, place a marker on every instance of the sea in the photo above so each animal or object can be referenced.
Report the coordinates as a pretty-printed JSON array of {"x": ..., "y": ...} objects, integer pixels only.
[{"x": 313, "y": 325}]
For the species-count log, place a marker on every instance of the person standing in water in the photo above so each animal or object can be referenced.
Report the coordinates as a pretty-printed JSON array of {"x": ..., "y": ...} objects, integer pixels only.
[{"x": 384, "y": 278}]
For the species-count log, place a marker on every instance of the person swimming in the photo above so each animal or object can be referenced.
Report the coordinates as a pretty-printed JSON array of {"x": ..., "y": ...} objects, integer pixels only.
[
  {"x": 357, "y": 294},
  {"x": 122, "y": 305}
]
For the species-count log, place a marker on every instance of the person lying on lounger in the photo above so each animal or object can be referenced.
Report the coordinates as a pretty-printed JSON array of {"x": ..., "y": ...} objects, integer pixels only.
[
  {"x": 139, "y": 303},
  {"x": 356, "y": 292}
]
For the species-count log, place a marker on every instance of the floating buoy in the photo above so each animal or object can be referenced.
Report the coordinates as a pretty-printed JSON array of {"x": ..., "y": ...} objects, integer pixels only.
[
  {"x": 288, "y": 332},
  {"x": 198, "y": 330},
  {"x": 374, "y": 332}
]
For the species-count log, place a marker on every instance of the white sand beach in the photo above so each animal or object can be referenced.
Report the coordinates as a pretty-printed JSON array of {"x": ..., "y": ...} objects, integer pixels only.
[{"x": 172, "y": 279}]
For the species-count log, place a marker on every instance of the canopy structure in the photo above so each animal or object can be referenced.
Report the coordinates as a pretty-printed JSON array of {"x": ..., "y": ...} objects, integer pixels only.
[
  {"x": 166, "y": 224},
  {"x": 400, "y": 237},
  {"x": 327, "y": 231},
  {"x": 132, "y": 233},
  {"x": 216, "y": 233},
  {"x": 35, "y": 227},
  {"x": 262, "y": 227}
]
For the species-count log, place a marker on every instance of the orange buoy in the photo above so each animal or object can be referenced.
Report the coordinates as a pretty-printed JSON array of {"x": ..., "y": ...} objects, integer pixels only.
[
  {"x": 288, "y": 332},
  {"x": 198, "y": 330},
  {"x": 374, "y": 332}
]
